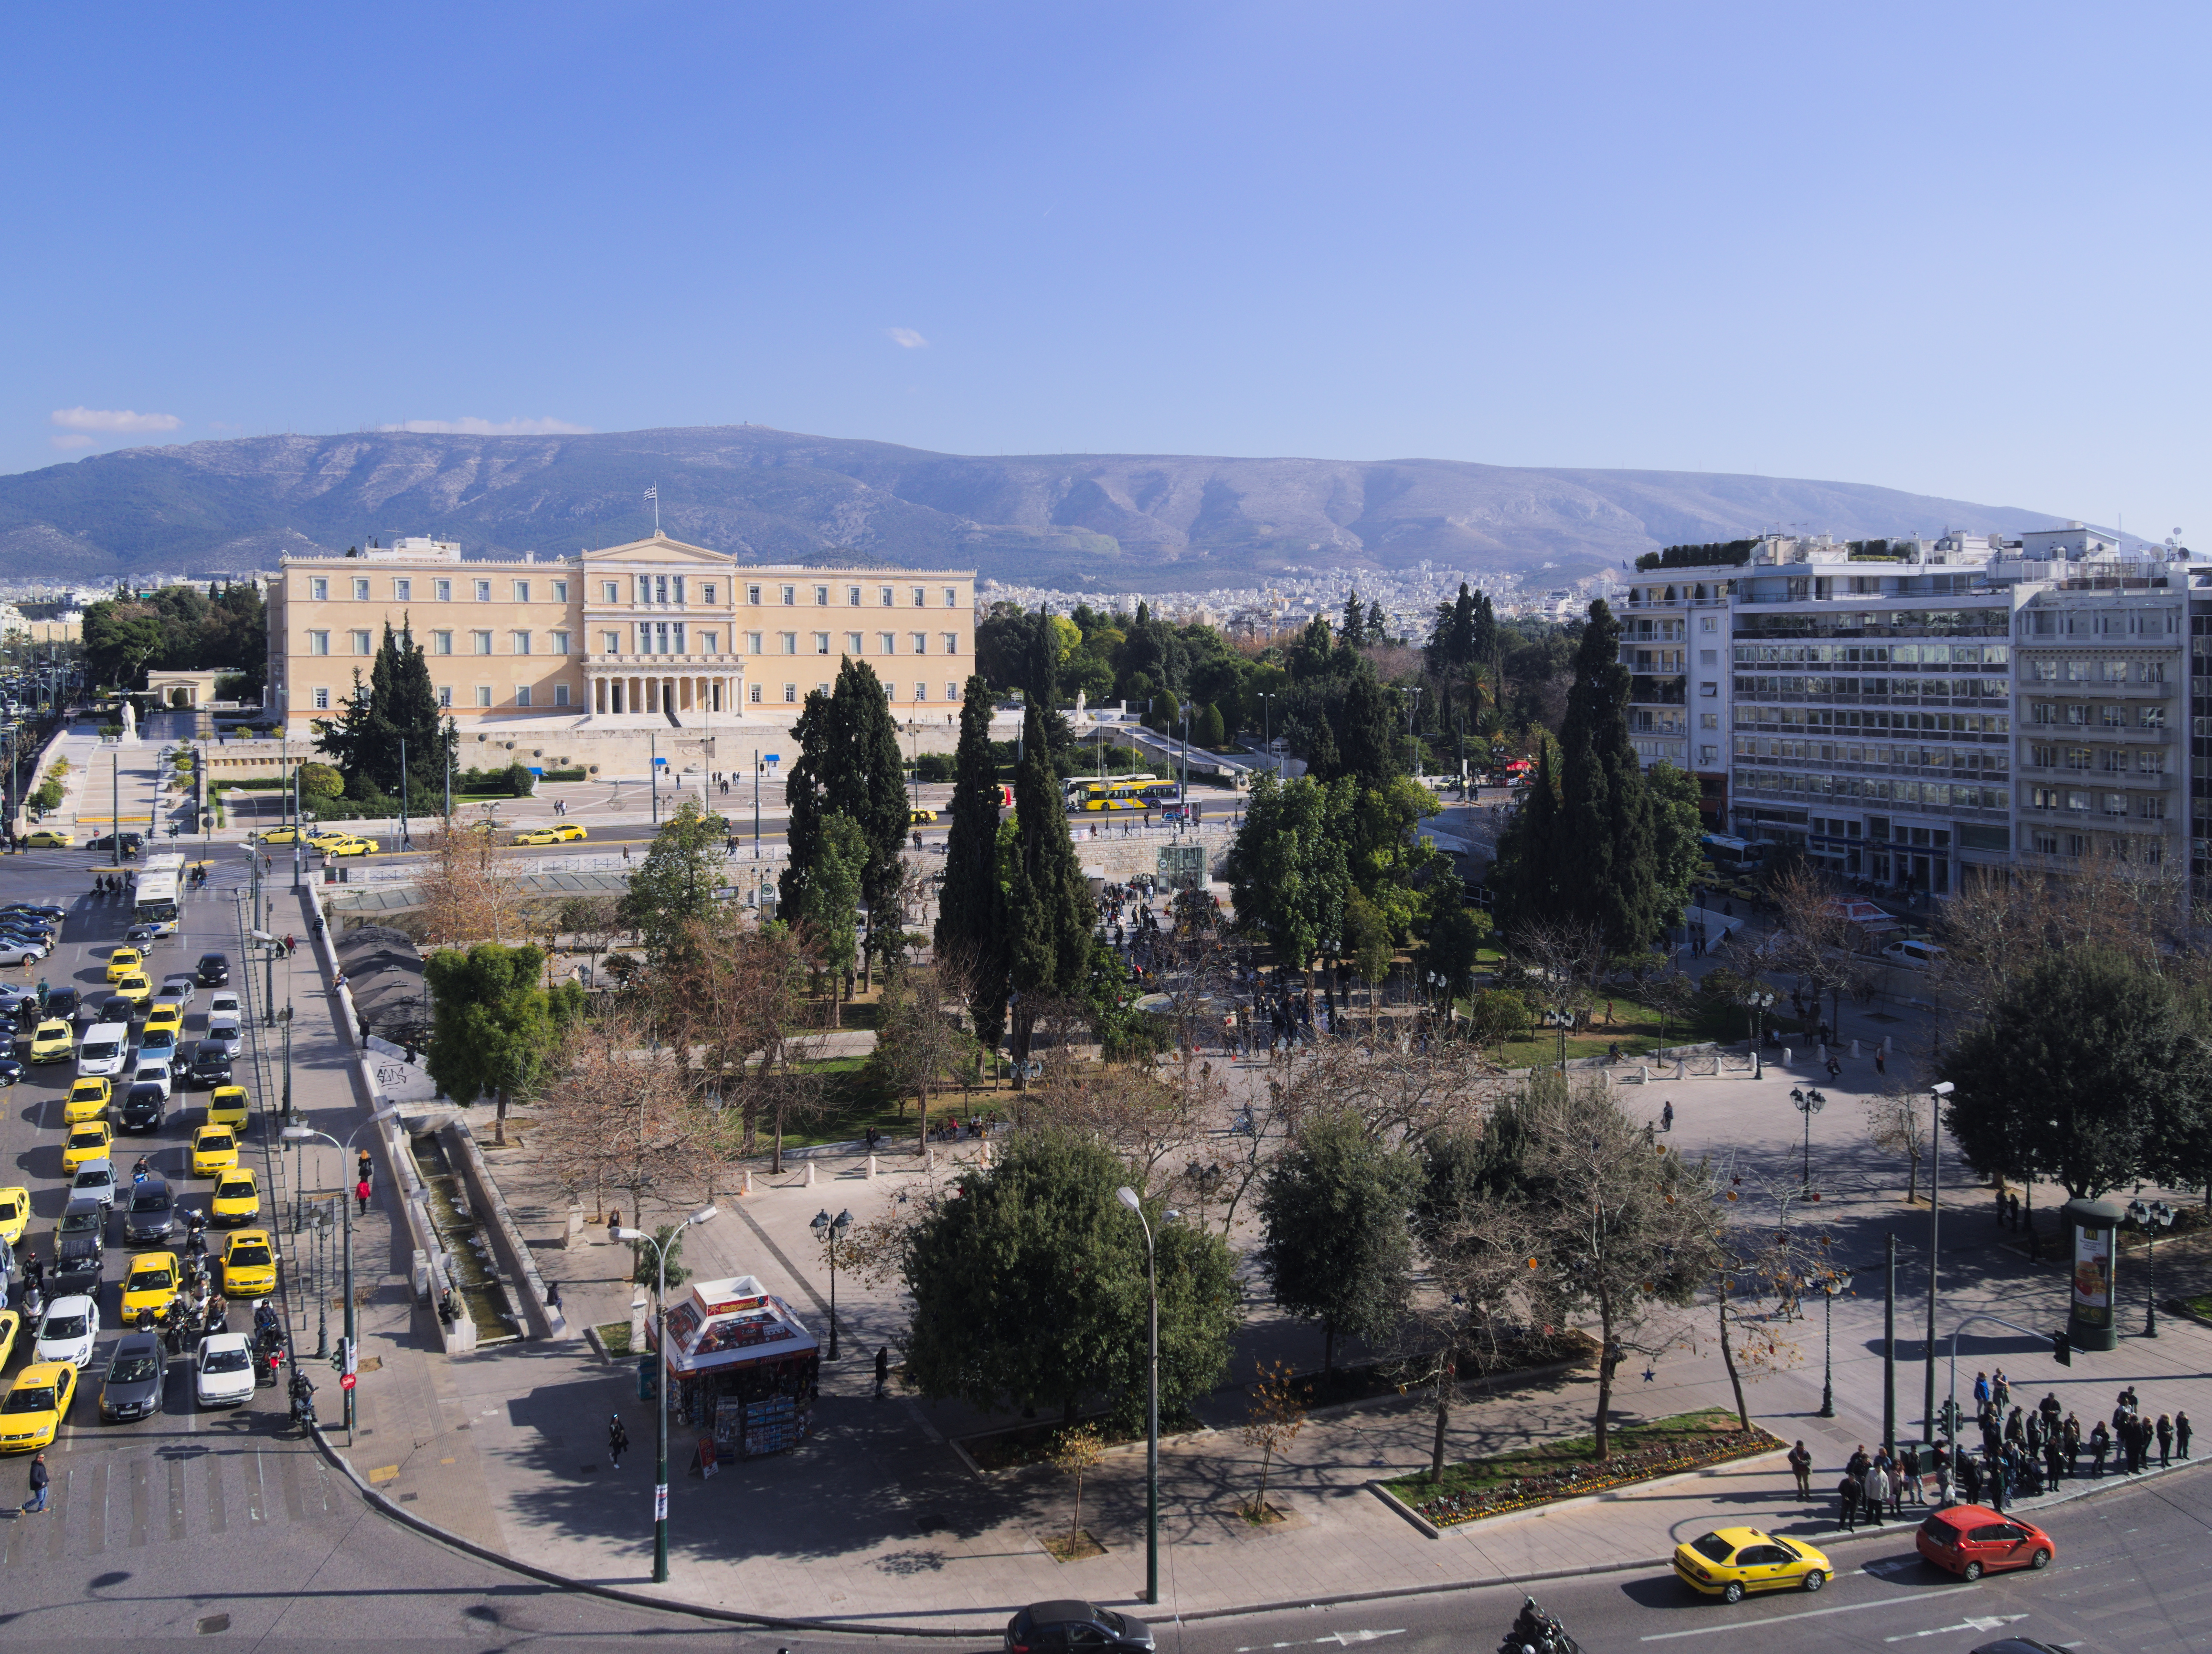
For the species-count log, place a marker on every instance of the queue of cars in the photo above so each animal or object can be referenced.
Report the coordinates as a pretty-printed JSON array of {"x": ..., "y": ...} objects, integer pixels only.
[{"x": 133, "y": 1060}]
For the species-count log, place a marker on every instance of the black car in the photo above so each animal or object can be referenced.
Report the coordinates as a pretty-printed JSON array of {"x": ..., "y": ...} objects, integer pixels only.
[
  {"x": 137, "y": 1374},
  {"x": 144, "y": 1108},
  {"x": 214, "y": 970},
  {"x": 80, "y": 1250},
  {"x": 152, "y": 1213},
  {"x": 1073, "y": 1628},
  {"x": 210, "y": 1064},
  {"x": 11, "y": 1071},
  {"x": 64, "y": 1003},
  {"x": 38, "y": 909},
  {"x": 119, "y": 1007}
]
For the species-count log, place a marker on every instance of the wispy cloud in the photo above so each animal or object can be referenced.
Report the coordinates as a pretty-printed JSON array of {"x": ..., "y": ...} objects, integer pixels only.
[
  {"x": 906, "y": 338},
  {"x": 111, "y": 422},
  {"x": 474, "y": 427},
  {"x": 70, "y": 441}
]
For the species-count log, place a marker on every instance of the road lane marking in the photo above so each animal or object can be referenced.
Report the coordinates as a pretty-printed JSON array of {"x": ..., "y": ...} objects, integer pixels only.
[
  {"x": 1987, "y": 1622},
  {"x": 1342, "y": 1639},
  {"x": 1782, "y": 1619}
]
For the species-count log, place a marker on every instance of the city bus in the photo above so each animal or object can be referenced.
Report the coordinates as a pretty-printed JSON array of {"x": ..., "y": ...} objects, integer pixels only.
[
  {"x": 154, "y": 896},
  {"x": 1123, "y": 792}
]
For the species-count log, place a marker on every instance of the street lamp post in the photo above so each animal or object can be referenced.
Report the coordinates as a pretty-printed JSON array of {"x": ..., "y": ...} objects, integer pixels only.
[
  {"x": 660, "y": 1382},
  {"x": 1936, "y": 1093},
  {"x": 1266, "y": 738},
  {"x": 1809, "y": 1103},
  {"x": 829, "y": 1231},
  {"x": 1756, "y": 1000},
  {"x": 302, "y": 1136},
  {"x": 2150, "y": 1217},
  {"x": 1834, "y": 1278},
  {"x": 1128, "y": 1196}
]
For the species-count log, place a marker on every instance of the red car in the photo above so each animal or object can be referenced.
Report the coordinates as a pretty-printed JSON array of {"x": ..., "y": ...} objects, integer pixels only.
[{"x": 1971, "y": 1540}]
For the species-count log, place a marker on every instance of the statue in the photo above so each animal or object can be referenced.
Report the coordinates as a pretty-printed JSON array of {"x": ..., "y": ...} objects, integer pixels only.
[
  {"x": 1078, "y": 702},
  {"x": 130, "y": 724}
]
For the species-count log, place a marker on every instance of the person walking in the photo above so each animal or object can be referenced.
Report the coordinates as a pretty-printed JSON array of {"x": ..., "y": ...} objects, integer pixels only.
[
  {"x": 1666, "y": 1116},
  {"x": 883, "y": 1371},
  {"x": 2180, "y": 1434},
  {"x": 1801, "y": 1466},
  {"x": 360, "y": 1193},
  {"x": 618, "y": 1440},
  {"x": 2164, "y": 1441},
  {"x": 37, "y": 1502},
  {"x": 1881, "y": 1060}
]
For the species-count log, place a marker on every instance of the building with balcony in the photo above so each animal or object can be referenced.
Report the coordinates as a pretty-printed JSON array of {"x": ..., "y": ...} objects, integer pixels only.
[{"x": 1674, "y": 642}]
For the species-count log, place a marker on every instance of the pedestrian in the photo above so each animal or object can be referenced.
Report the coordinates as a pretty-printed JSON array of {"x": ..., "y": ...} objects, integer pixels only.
[
  {"x": 1908, "y": 1466},
  {"x": 2180, "y": 1433},
  {"x": 1970, "y": 1478},
  {"x": 2100, "y": 1444},
  {"x": 37, "y": 1502},
  {"x": 362, "y": 1166},
  {"x": 1666, "y": 1116},
  {"x": 360, "y": 1193},
  {"x": 2071, "y": 1433},
  {"x": 1981, "y": 1389},
  {"x": 1801, "y": 1466},
  {"x": 1999, "y": 1388},
  {"x": 883, "y": 1371},
  {"x": 617, "y": 1439},
  {"x": 1876, "y": 1492},
  {"x": 1835, "y": 1068},
  {"x": 2054, "y": 1461},
  {"x": 552, "y": 1294},
  {"x": 1847, "y": 1492},
  {"x": 1881, "y": 1060}
]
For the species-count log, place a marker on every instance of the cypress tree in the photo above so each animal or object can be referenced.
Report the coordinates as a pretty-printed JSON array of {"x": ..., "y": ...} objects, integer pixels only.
[
  {"x": 848, "y": 764},
  {"x": 971, "y": 915},
  {"x": 1605, "y": 807},
  {"x": 1364, "y": 741},
  {"x": 1047, "y": 903}
]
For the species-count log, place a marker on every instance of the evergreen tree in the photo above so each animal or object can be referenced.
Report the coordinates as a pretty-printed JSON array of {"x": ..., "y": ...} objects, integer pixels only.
[
  {"x": 1049, "y": 904},
  {"x": 1606, "y": 810},
  {"x": 1337, "y": 1247},
  {"x": 1451, "y": 640},
  {"x": 398, "y": 703},
  {"x": 1210, "y": 729},
  {"x": 1378, "y": 626},
  {"x": 1354, "y": 625},
  {"x": 971, "y": 915},
  {"x": 848, "y": 764},
  {"x": 674, "y": 887},
  {"x": 1533, "y": 863},
  {"x": 1365, "y": 738}
]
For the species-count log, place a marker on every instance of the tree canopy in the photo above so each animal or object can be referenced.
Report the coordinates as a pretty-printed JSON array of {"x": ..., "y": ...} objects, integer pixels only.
[
  {"x": 398, "y": 704},
  {"x": 1336, "y": 1247},
  {"x": 848, "y": 764},
  {"x": 971, "y": 912}
]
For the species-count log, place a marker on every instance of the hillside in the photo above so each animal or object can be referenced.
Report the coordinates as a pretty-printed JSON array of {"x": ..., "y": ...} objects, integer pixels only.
[{"x": 1158, "y": 520}]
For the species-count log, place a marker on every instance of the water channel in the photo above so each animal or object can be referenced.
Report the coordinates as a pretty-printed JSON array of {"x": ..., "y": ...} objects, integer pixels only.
[{"x": 461, "y": 1234}]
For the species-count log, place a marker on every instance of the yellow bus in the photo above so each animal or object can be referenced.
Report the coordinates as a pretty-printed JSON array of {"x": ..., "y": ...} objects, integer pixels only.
[{"x": 1125, "y": 793}]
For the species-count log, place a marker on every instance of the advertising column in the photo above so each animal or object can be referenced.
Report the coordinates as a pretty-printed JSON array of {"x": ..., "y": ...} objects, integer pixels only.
[{"x": 2093, "y": 1229}]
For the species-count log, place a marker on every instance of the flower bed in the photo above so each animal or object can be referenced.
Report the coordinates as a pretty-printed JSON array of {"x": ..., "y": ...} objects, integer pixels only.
[{"x": 1557, "y": 1470}]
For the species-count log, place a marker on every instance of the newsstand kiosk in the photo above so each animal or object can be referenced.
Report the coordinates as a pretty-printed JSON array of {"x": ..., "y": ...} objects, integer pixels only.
[{"x": 738, "y": 1360}]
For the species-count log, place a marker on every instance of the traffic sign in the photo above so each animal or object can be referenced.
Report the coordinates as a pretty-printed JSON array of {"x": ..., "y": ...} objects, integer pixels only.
[{"x": 346, "y": 1381}]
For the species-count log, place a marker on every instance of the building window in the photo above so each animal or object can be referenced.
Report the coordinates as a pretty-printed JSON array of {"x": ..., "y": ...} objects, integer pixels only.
[
  {"x": 521, "y": 642},
  {"x": 484, "y": 695},
  {"x": 752, "y": 643},
  {"x": 821, "y": 643},
  {"x": 822, "y": 597},
  {"x": 853, "y": 643},
  {"x": 479, "y": 643},
  {"x": 885, "y": 644},
  {"x": 953, "y": 691},
  {"x": 753, "y": 693},
  {"x": 319, "y": 643},
  {"x": 441, "y": 643},
  {"x": 951, "y": 643},
  {"x": 446, "y": 695},
  {"x": 823, "y": 689},
  {"x": 2151, "y": 807},
  {"x": 442, "y": 590},
  {"x": 920, "y": 599},
  {"x": 883, "y": 596},
  {"x": 921, "y": 691},
  {"x": 790, "y": 694},
  {"x": 361, "y": 588},
  {"x": 790, "y": 595},
  {"x": 788, "y": 643},
  {"x": 710, "y": 643},
  {"x": 560, "y": 591},
  {"x": 522, "y": 695},
  {"x": 483, "y": 591},
  {"x": 921, "y": 641},
  {"x": 522, "y": 590},
  {"x": 2046, "y": 843},
  {"x": 403, "y": 591},
  {"x": 318, "y": 589},
  {"x": 752, "y": 594},
  {"x": 610, "y": 592},
  {"x": 2151, "y": 671},
  {"x": 322, "y": 699},
  {"x": 360, "y": 642},
  {"x": 2116, "y": 804},
  {"x": 677, "y": 583},
  {"x": 852, "y": 596},
  {"x": 952, "y": 597},
  {"x": 706, "y": 591},
  {"x": 560, "y": 642},
  {"x": 560, "y": 694},
  {"x": 1708, "y": 721}
]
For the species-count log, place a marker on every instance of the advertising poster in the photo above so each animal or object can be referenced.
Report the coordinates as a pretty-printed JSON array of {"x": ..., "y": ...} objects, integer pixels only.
[{"x": 2093, "y": 1277}]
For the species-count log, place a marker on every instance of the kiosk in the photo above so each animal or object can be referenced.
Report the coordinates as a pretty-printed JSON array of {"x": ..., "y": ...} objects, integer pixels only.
[{"x": 738, "y": 1360}]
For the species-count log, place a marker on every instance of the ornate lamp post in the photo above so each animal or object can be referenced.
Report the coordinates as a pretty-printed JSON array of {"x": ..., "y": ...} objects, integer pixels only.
[
  {"x": 830, "y": 1230},
  {"x": 1756, "y": 1000},
  {"x": 1809, "y": 1103},
  {"x": 1834, "y": 1278},
  {"x": 2150, "y": 1217}
]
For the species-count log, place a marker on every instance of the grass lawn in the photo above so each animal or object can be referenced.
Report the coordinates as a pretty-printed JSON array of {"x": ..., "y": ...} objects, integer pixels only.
[
  {"x": 1569, "y": 1468},
  {"x": 852, "y": 1104},
  {"x": 1636, "y": 1028}
]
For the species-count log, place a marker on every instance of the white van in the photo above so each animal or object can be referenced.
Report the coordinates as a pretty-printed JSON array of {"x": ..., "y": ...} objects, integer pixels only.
[
  {"x": 1913, "y": 955},
  {"x": 106, "y": 1050}
]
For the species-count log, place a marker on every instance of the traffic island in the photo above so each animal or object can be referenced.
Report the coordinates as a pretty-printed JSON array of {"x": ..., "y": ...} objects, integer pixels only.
[{"x": 1549, "y": 1472}]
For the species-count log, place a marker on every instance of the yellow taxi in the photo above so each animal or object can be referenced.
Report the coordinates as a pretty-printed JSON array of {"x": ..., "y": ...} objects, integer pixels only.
[
  {"x": 88, "y": 1100},
  {"x": 281, "y": 835},
  {"x": 14, "y": 1213},
  {"x": 11, "y": 1324},
  {"x": 54, "y": 1041},
  {"x": 136, "y": 987},
  {"x": 227, "y": 1107},
  {"x": 1729, "y": 1562},
  {"x": 249, "y": 1266},
  {"x": 920, "y": 817},
  {"x": 170, "y": 1016},
  {"x": 151, "y": 1285},
  {"x": 346, "y": 845},
  {"x": 47, "y": 838},
  {"x": 566, "y": 833},
  {"x": 124, "y": 962},
  {"x": 90, "y": 1141},
  {"x": 214, "y": 1149},
  {"x": 37, "y": 1404},
  {"x": 237, "y": 1198}
]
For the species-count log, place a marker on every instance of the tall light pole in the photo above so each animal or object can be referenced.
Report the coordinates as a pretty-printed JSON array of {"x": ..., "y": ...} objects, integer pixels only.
[
  {"x": 1266, "y": 725},
  {"x": 302, "y": 1135},
  {"x": 829, "y": 1231},
  {"x": 2150, "y": 1217},
  {"x": 1756, "y": 1000},
  {"x": 1128, "y": 1196},
  {"x": 1809, "y": 1103},
  {"x": 1834, "y": 1278},
  {"x": 659, "y": 1380},
  {"x": 1936, "y": 1093},
  {"x": 1412, "y": 716}
]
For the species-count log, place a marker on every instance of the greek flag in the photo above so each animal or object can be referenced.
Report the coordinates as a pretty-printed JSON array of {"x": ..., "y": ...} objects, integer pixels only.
[{"x": 653, "y": 492}]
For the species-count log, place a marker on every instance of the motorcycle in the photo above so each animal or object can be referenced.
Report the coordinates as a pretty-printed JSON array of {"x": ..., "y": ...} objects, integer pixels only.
[
  {"x": 303, "y": 1400},
  {"x": 1535, "y": 1632}
]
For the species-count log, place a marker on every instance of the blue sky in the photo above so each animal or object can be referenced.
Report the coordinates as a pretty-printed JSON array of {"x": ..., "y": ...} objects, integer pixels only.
[{"x": 1955, "y": 249}]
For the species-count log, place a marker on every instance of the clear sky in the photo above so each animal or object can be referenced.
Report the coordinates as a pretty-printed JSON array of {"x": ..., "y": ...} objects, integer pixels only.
[{"x": 1957, "y": 249}]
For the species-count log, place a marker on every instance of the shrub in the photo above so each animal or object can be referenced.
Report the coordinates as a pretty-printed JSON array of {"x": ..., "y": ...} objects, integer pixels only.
[
  {"x": 934, "y": 767},
  {"x": 577, "y": 774},
  {"x": 321, "y": 781},
  {"x": 47, "y": 797},
  {"x": 1497, "y": 1015}
]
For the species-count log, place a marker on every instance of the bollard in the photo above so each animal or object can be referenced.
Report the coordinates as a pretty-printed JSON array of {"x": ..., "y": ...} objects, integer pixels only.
[
  {"x": 810, "y": 1174},
  {"x": 746, "y": 1188},
  {"x": 872, "y": 1168},
  {"x": 1644, "y": 1074},
  {"x": 1785, "y": 1056},
  {"x": 1855, "y": 1048}
]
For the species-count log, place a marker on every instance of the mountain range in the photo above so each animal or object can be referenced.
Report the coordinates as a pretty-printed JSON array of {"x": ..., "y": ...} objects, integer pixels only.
[{"x": 1114, "y": 521}]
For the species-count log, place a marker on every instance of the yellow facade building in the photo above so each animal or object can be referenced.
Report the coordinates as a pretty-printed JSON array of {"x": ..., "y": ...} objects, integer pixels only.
[{"x": 625, "y": 639}]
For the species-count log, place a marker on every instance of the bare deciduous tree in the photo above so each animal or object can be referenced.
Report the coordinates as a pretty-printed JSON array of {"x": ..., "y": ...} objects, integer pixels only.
[
  {"x": 620, "y": 1115},
  {"x": 1897, "y": 1123},
  {"x": 469, "y": 893}
]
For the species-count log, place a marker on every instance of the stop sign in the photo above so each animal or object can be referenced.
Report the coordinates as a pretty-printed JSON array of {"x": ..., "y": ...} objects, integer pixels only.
[{"x": 345, "y": 1381}]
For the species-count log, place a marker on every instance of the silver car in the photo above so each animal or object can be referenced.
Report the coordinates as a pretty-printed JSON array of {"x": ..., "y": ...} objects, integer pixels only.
[{"x": 224, "y": 1027}]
